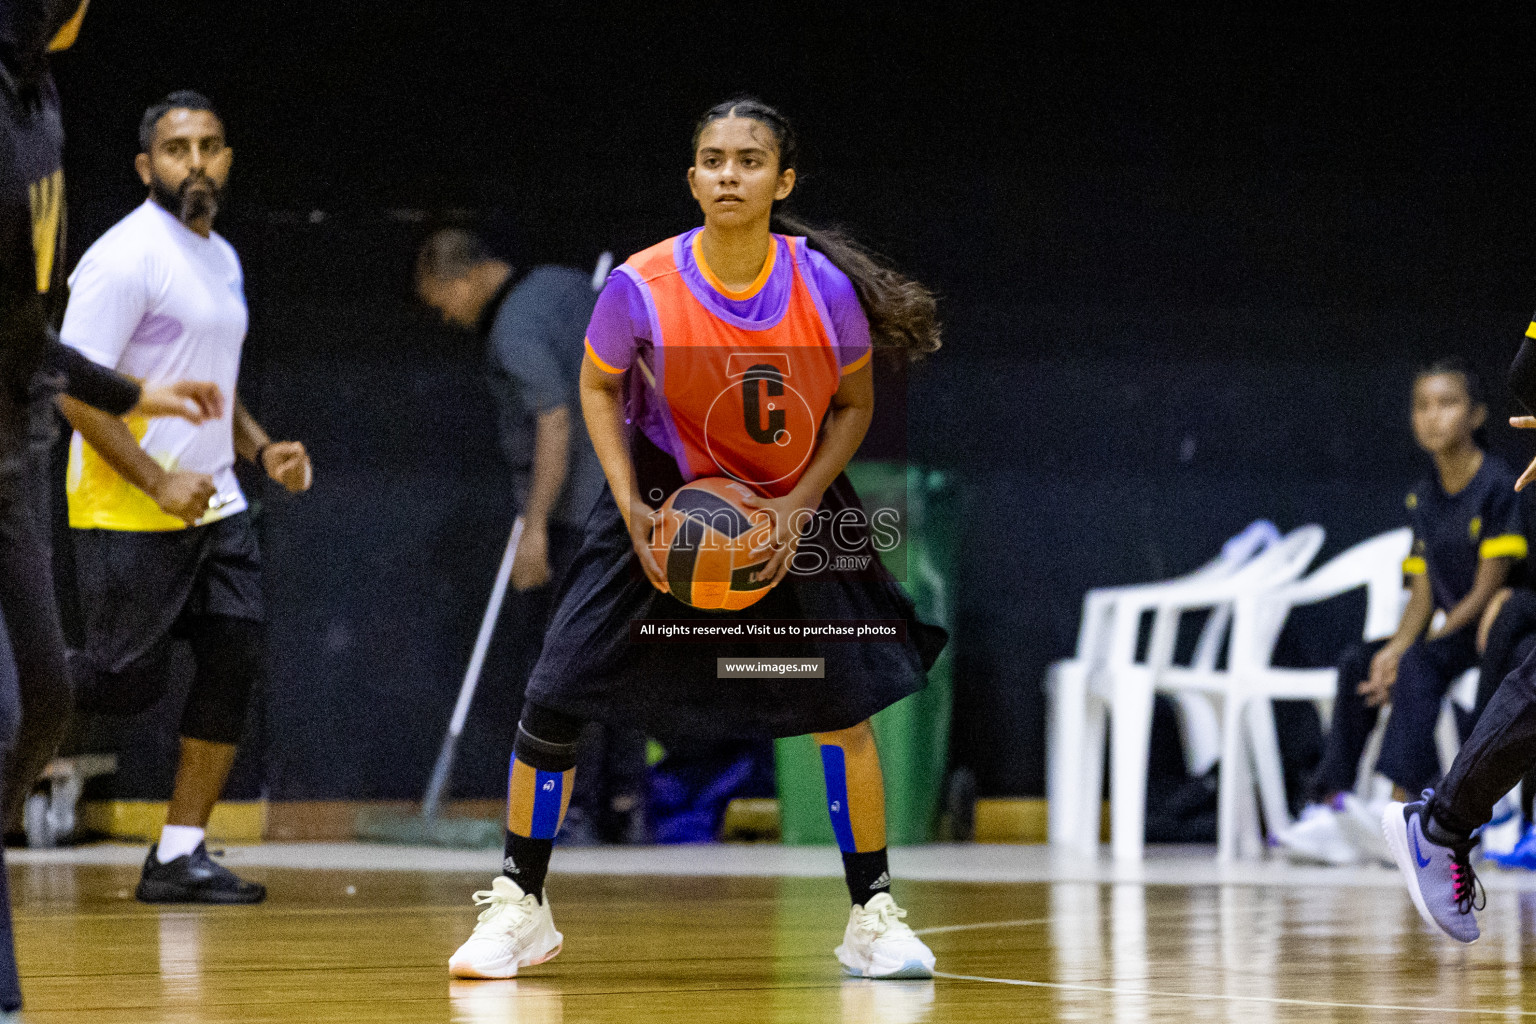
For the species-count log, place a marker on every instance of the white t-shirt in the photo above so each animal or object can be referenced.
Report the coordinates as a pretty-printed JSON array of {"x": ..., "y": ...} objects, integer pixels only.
[{"x": 155, "y": 300}]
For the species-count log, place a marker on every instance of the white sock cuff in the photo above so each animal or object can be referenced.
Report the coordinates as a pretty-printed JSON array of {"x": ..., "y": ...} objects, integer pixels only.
[{"x": 177, "y": 841}]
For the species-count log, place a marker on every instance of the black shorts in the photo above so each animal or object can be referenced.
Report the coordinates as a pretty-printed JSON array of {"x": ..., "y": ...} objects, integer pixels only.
[
  {"x": 136, "y": 587},
  {"x": 591, "y": 670}
]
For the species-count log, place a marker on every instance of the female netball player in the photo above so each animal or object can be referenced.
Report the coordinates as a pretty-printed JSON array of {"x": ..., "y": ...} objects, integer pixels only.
[
  {"x": 1467, "y": 534},
  {"x": 686, "y": 328}
]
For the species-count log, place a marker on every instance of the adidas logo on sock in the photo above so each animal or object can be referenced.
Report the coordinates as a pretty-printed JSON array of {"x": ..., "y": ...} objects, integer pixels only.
[
  {"x": 883, "y": 882},
  {"x": 509, "y": 866}
]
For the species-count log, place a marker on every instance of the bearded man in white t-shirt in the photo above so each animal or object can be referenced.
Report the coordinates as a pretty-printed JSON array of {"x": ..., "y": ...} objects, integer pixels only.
[{"x": 164, "y": 548}]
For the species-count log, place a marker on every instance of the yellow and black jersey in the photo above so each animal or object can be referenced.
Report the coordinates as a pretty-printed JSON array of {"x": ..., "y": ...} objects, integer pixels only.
[
  {"x": 31, "y": 199},
  {"x": 32, "y": 213},
  {"x": 1452, "y": 532}
]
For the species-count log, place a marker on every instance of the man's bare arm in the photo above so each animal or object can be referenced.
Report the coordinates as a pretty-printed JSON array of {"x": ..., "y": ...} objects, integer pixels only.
[
  {"x": 284, "y": 461},
  {"x": 551, "y": 456},
  {"x": 551, "y": 462},
  {"x": 112, "y": 392},
  {"x": 249, "y": 437},
  {"x": 181, "y": 494}
]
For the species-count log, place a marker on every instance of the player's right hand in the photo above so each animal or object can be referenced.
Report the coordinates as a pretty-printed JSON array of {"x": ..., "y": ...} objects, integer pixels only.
[
  {"x": 185, "y": 495},
  {"x": 641, "y": 520},
  {"x": 530, "y": 566}
]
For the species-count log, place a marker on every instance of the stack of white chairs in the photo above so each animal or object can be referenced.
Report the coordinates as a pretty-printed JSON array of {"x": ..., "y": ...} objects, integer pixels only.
[
  {"x": 1108, "y": 679},
  {"x": 1068, "y": 689},
  {"x": 1132, "y": 685},
  {"x": 1252, "y": 588}
]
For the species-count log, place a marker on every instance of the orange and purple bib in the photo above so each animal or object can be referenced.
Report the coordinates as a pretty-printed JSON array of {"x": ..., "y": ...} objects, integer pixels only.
[{"x": 732, "y": 384}]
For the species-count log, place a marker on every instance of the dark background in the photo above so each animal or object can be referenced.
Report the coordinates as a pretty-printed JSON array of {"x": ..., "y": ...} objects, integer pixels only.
[{"x": 1188, "y": 259}]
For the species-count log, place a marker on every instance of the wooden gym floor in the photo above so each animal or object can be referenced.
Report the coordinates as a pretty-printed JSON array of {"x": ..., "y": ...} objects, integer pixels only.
[{"x": 366, "y": 938}]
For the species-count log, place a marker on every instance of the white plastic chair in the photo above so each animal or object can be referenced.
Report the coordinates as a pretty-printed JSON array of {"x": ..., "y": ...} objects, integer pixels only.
[
  {"x": 1125, "y": 687},
  {"x": 1074, "y": 811},
  {"x": 1253, "y": 682}
]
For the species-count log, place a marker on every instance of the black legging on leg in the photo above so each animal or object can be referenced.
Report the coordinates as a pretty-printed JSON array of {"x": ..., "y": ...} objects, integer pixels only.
[
  {"x": 1500, "y": 750},
  {"x": 1511, "y": 640},
  {"x": 1514, "y": 647}
]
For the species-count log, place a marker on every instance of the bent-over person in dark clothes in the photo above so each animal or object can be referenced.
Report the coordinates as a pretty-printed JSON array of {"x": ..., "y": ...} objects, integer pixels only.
[{"x": 533, "y": 320}]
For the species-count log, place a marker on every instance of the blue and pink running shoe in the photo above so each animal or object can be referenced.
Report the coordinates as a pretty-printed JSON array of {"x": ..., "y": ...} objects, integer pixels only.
[{"x": 1439, "y": 876}]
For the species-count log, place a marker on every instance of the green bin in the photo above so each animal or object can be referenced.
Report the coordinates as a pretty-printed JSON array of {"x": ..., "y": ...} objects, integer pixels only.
[{"x": 913, "y": 734}]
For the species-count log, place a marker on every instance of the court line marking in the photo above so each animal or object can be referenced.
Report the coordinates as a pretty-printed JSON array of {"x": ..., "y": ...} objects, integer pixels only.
[
  {"x": 1024, "y": 923},
  {"x": 151, "y": 913},
  {"x": 1204, "y": 996},
  {"x": 1223, "y": 997},
  {"x": 941, "y": 929}
]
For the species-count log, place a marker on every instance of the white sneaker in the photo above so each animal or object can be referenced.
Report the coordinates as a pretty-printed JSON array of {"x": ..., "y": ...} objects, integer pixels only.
[
  {"x": 1317, "y": 838},
  {"x": 1360, "y": 824},
  {"x": 877, "y": 944},
  {"x": 515, "y": 930}
]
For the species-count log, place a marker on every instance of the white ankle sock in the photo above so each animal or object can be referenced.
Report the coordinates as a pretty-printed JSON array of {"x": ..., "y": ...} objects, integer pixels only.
[{"x": 177, "y": 841}]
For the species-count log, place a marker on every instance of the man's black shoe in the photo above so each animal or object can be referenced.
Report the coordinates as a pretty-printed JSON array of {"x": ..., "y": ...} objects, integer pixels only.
[{"x": 194, "y": 878}]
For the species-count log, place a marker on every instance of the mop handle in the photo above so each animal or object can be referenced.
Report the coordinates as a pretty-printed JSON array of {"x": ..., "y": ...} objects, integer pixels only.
[{"x": 487, "y": 628}]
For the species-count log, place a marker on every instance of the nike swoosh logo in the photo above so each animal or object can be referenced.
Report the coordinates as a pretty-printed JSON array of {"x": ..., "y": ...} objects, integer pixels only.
[{"x": 1413, "y": 834}]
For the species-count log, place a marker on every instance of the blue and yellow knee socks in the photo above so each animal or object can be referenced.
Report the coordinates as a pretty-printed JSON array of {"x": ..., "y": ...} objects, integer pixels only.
[{"x": 850, "y": 762}]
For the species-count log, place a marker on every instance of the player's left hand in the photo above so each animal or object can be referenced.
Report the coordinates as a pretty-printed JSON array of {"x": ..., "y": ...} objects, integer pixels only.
[
  {"x": 193, "y": 400},
  {"x": 1525, "y": 423},
  {"x": 288, "y": 463},
  {"x": 530, "y": 566},
  {"x": 1377, "y": 688},
  {"x": 789, "y": 519}
]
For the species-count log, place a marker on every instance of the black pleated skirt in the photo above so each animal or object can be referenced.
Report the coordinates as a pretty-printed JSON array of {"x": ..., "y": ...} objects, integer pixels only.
[{"x": 590, "y": 669}]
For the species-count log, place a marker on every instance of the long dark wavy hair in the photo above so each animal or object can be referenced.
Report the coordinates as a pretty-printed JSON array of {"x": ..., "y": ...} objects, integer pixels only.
[{"x": 903, "y": 313}]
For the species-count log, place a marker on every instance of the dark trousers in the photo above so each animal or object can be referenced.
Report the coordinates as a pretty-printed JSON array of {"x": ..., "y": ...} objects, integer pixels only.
[
  {"x": 10, "y": 982},
  {"x": 1502, "y": 746},
  {"x": 1511, "y": 640},
  {"x": 1408, "y": 753},
  {"x": 20, "y": 546},
  {"x": 37, "y": 708},
  {"x": 45, "y": 697}
]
